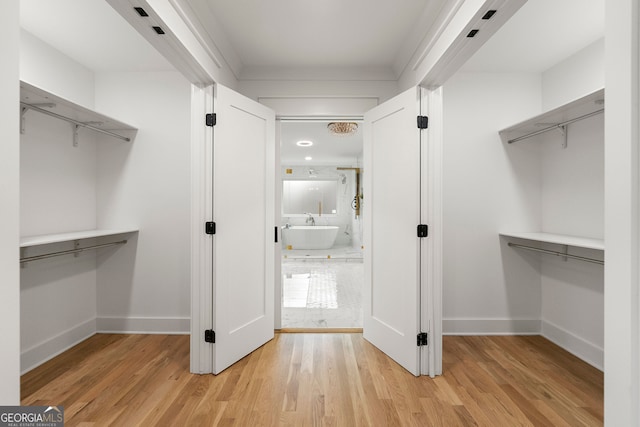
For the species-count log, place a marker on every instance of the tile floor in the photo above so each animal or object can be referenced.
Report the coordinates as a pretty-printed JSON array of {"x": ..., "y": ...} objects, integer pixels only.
[
  {"x": 322, "y": 293},
  {"x": 340, "y": 252}
]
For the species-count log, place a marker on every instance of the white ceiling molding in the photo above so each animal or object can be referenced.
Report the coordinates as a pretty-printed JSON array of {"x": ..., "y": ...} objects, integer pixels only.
[
  {"x": 203, "y": 24},
  {"x": 319, "y": 106},
  {"x": 186, "y": 13},
  {"x": 366, "y": 44},
  {"x": 178, "y": 44},
  {"x": 453, "y": 47},
  {"x": 434, "y": 35},
  {"x": 433, "y": 21},
  {"x": 318, "y": 73}
]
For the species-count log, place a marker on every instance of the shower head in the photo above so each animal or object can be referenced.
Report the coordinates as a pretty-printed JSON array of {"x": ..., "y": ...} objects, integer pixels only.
[{"x": 343, "y": 178}]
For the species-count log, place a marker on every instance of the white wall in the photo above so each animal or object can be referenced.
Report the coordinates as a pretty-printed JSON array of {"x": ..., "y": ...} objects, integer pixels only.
[
  {"x": 622, "y": 215},
  {"x": 144, "y": 286},
  {"x": 105, "y": 183},
  {"x": 489, "y": 187},
  {"x": 57, "y": 194},
  {"x": 43, "y": 66},
  {"x": 574, "y": 77},
  {"x": 9, "y": 214},
  {"x": 573, "y": 204},
  {"x": 551, "y": 189}
]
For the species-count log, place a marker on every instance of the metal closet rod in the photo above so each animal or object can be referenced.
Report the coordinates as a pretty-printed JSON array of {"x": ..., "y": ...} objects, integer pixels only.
[
  {"x": 70, "y": 251},
  {"x": 75, "y": 122},
  {"x": 559, "y": 125},
  {"x": 545, "y": 251}
]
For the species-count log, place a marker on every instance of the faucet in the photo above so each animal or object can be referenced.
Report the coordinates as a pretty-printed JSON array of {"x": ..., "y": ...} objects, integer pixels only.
[{"x": 310, "y": 220}]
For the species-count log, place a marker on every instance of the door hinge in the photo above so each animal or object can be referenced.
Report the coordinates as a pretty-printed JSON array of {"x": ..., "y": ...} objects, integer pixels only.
[
  {"x": 276, "y": 234},
  {"x": 210, "y": 119},
  {"x": 210, "y": 227},
  {"x": 423, "y": 230},
  {"x": 423, "y": 339},
  {"x": 210, "y": 336},
  {"x": 423, "y": 122}
]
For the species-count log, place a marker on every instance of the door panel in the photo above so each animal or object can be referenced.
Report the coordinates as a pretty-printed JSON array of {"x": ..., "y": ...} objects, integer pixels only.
[
  {"x": 243, "y": 210},
  {"x": 392, "y": 161}
]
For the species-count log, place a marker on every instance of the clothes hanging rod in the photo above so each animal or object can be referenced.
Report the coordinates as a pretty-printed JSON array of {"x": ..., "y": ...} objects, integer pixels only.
[
  {"x": 556, "y": 126},
  {"x": 545, "y": 251},
  {"x": 75, "y": 122},
  {"x": 70, "y": 251}
]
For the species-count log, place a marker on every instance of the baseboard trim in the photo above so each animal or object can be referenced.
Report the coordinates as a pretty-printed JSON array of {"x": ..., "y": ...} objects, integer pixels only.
[
  {"x": 490, "y": 326},
  {"x": 579, "y": 347},
  {"x": 47, "y": 350},
  {"x": 144, "y": 325}
]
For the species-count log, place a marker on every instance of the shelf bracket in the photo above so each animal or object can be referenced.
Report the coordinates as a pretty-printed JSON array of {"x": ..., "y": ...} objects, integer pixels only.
[
  {"x": 75, "y": 134},
  {"x": 23, "y": 111},
  {"x": 564, "y": 130}
]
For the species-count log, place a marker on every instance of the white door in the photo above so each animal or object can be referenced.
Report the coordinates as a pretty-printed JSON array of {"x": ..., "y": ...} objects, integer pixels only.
[
  {"x": 243, "y": 212},
  {"x": 392, "y": 201}
]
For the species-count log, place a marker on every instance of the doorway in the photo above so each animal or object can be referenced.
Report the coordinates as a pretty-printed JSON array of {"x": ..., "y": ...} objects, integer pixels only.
[{"x": 321, "y": 260}]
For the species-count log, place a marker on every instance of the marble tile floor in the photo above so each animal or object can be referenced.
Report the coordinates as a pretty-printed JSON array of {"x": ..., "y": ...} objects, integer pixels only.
[
  {"x": 340, "y": 252},
  {"x": 322, "y": 294}
]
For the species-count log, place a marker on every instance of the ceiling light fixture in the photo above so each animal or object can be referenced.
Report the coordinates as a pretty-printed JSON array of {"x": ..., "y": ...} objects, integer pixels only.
[
  {"x": 342, "y": 128},
  {"x": 308, "y": 158},
  {"x": 304, "y": 143}
]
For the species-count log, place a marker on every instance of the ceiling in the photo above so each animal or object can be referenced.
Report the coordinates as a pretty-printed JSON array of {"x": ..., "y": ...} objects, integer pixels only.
[
  {"x": 92, "y": 33},
  {"x": 540, "y": 35},
  {"x": 311, "y": 34},
  {"x": 303, "y": 34},
  {"x": 297, "y": 34},
  {"x": 327, "y": 149}
]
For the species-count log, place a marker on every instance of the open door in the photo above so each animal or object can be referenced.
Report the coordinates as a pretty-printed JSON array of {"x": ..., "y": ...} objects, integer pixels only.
[
  {"x": 244, "y": 221},
  {"x": 392, "y": 213}
]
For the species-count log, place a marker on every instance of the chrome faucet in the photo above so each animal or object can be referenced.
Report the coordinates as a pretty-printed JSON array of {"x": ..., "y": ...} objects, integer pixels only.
[{"x": 310, "y": 220}]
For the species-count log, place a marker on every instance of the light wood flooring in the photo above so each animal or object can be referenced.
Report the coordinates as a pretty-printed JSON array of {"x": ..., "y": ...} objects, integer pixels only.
[{"x": 318, "y": 380}]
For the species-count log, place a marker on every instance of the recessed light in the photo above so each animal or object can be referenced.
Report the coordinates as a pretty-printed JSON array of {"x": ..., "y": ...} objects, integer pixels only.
[
  {"x": 158, "y": 30},
  {"x": 304, "y": 143},
  {"x": 308, "y": 158}
]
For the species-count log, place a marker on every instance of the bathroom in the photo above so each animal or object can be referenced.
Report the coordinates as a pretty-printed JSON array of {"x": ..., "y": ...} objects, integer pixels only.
[{"x": 321, "y": 224}]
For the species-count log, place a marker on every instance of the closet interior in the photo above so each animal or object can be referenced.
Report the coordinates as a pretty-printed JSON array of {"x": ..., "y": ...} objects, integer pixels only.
[
  {"x": 569, "y": 243},
  {"x": 61, "y": 235},
  {"x": 104, "y": 204}
]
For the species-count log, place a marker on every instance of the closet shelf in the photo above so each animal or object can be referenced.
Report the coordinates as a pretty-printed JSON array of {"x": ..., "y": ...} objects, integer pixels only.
[
  {"x": 45, "y": 239},
  {"x": 587, "y": 106},
  {"x": 560, "y": 239},
  {"x": 41, "y": 101}
]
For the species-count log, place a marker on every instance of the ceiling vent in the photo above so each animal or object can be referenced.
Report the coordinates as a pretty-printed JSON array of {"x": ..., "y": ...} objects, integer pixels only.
[{"x": 141, "y": 12}]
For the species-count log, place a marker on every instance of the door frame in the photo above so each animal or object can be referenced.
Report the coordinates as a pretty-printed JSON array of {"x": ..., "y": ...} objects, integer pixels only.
[
  {"x": 278, "y": 201},
  {"x": 431, "y": 105},
  {"x": 201, "y": 355}
]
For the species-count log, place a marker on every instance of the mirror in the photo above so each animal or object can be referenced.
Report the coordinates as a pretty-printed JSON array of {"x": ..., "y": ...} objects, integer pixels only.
[{"x": 318, "y": 197}]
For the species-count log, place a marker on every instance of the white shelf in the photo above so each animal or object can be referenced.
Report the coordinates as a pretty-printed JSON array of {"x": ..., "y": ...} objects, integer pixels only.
[
  {"x": 41, "y": 101},
  {"x": 585, "y": 106},
  {"x": 560, "y": 239},
  {"x": 46, "y": 239}
]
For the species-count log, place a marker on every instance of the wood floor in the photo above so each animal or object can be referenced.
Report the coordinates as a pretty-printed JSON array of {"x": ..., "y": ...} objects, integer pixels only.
[{"x": 315, "y": 380}]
